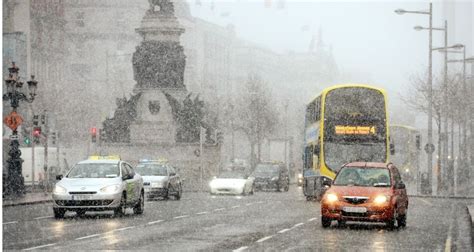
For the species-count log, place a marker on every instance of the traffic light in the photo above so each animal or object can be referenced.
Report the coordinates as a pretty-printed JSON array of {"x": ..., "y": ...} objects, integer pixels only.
[
  {"x": 102, "y": 136},
  {"x": 53, "y": 138},
  {"x": 27, "y": 140},
  {"x": 36, "y": 134},
  {"x": 35, "y": 120},
  {"x": 94, "y": 134}
]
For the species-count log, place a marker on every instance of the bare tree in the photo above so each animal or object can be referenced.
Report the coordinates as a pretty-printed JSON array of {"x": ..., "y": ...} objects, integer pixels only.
[{"x": 255, "y": 114}]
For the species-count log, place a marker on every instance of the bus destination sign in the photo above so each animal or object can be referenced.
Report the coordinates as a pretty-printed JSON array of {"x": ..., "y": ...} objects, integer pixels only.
[{"x": 355, "y": 130}]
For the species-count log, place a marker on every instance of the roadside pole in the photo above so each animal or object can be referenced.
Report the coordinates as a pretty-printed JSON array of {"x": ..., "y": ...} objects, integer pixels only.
[
  {"x": 46, "y": 132},
  {"x": 32, "y": 159},
  {"x": 201, "y": 168}
]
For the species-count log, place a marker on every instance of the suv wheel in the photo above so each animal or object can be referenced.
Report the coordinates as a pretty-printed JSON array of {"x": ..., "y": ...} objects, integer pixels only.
[
  {"x": 59, "y": 213},
  {"x": 325, "y": 222},
  {"x": 120, "y": 210},
  {"x": 402, "y": 220},
  {"x": 140, "y": 206}
]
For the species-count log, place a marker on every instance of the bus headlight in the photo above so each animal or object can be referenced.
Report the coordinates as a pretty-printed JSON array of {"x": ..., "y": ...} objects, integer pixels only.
[{"x": 380, "y": 199}]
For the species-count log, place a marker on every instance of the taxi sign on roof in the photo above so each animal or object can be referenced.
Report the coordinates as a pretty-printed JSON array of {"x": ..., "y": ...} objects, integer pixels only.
[{"x": 110, "y": 157}]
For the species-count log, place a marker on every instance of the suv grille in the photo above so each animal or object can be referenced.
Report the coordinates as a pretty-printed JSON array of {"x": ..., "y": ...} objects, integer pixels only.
[{"x": 356, "y": 200}]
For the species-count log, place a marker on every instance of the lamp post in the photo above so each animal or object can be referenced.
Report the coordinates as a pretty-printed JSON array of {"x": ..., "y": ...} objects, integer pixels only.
[
  {"x": 430, "y": 89},
  {"x": 14, "y": 94}
]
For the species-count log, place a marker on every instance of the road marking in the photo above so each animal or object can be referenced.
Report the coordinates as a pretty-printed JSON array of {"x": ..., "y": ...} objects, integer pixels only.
[
  {"x": 312, "y": 219},
  {"x": 124, "y": 228},
  {"x": 235, "y": 206},
  {"x": 265, "y": 238},
  {"x": 447, "y": 247},
  {"x": 259, "y": 202},
  {"x": 43, "y": 217},
  {"x": 297, "y": 225},
  {"x": 284, "y": 230},
  {"x": 182, "y": 216},
  {"x": 85, "y": 237},
  {"x": 11, "y": 222},
  {"x": 202, "y": 213},
  {"x": 240, "y": 249},
  {"x": 248, "y": 204},
  {"x": 219, "y": 209},
  {"x": 154, "y": 222},
  {"x": 426, "y": 202},
  {"x": 42, "y": 246}
]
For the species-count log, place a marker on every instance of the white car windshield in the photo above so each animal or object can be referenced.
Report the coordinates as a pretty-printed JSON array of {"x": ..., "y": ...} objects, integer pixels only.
[
  {"x": 99, "y": 170},
  {"x": 151, "y": 170}
]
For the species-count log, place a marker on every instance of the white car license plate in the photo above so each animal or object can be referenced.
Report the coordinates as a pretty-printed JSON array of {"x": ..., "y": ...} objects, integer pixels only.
[
  {"x": 355, "y": 209},
  {"x": 81, "y": 197}
]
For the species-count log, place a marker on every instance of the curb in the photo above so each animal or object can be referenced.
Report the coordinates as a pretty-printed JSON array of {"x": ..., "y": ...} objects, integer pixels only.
[
  {"x": 11, "y": 204},
  {"x": 442, "y": 197}
]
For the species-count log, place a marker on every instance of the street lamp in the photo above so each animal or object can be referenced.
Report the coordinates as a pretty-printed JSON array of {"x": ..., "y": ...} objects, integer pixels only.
[
  {"x": 430, "y": 89},
  {"x": 15, "y": 180}
]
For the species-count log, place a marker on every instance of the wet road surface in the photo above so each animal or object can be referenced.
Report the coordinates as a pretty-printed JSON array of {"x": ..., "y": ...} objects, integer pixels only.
[{"x": 272, "y": 221}]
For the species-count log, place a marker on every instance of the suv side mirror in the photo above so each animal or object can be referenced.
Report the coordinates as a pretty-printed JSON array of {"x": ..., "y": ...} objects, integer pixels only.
[
  {"x": 172, "y": 174},
  {"x": 400, "y": 185},
  {"x": 127, "y": 176},
  {"x": 327, "y": 183},
  {"x": 59, "y": 177}
]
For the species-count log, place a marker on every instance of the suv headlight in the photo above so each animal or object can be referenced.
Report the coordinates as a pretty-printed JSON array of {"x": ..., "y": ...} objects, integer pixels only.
[
  {"x": 380, "y": 199},
  {"x": 110, "y": 189},
  {"x": 59, "y": 190},
  {"x": 331, "y": 197}
]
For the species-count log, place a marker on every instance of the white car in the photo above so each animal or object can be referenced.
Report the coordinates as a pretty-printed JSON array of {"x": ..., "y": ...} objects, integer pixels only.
[
  {"x": 232, "y": 182},
  {"x": 98, "y": 185},
  {"x": 159, "y": 179}
]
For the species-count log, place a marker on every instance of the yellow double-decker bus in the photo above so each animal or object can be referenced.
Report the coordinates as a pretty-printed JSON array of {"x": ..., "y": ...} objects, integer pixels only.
[
  {"x": 407, "y": 141},
  {"x": 344, "y": 123}
]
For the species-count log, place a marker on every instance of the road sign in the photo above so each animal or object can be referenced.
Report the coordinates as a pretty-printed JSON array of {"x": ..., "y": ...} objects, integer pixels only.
[
  {"x": 429, "y": 148},
  {"x": 13, "y": 120}
]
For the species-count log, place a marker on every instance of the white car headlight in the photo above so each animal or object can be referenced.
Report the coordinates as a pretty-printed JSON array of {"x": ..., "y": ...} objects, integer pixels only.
[
  {"x": 380, "y": 199},
  {"x": 59, "y": 190},
  {"x": 110, "y": 189},
  {"x": 274, "y": 178},
  {"x": 212, "y": 184}
]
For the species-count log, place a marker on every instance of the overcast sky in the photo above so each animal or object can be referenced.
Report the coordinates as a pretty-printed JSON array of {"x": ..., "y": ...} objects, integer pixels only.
[{"x": 366, "y": 37}]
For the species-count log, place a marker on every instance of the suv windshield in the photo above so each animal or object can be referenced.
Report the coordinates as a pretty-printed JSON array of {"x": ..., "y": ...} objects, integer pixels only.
[
  {"x": 363, "y": 176},
  {"x": 232, "y": 174},
  {"x": 98, "y": 170},
  {"x": 266, "y": 170},
  {"x": 151, "y": 170}
]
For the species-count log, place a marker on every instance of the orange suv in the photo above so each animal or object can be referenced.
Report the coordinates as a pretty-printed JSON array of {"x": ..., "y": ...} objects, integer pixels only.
[{"x": 367, "y": 192}]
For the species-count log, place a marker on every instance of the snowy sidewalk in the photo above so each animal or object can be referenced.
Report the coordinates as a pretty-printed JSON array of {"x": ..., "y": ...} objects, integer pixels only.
[{"x": 28, "y": 199}]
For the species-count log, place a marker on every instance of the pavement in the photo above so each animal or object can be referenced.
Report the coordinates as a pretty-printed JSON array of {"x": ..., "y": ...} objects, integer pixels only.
[
  {"x": 266, "y": 221},
  {"x": 27, "y": 199}
]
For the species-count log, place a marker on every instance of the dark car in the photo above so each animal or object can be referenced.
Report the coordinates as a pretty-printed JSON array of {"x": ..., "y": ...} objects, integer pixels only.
[{"x": 271, "y": 175}]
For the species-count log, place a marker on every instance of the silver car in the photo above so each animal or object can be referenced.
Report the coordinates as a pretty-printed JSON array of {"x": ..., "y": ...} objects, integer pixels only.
[
  {"x": 160, "y": 179},
  {"x": 98, "y": 185}
]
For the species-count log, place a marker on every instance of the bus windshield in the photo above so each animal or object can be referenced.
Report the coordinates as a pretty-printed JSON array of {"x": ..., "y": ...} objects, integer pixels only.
[{"x": 354, "y": 127}]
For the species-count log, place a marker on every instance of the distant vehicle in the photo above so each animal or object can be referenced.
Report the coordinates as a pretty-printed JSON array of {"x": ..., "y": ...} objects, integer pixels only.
[
  {"x": 232, "y": 182},
  {"x": 98, "y": 184},
  {"x": 407, "y": 141},
  {"x": 345, "y": 123},
  {"x": 271, "y": 175},
  {"x": 160, "y": 179},
  {"x": 367, "y": 192}
]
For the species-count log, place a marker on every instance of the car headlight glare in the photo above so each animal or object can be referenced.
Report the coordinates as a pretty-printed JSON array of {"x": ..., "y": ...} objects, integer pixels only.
[
  {"x": 331, "y": 197},
  {"x": 110, "y": 189},
  {"x": 274, "y": 178},
  {"x": 380, "y": 199},
  {"x": 59, "y": 190}
]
